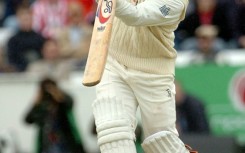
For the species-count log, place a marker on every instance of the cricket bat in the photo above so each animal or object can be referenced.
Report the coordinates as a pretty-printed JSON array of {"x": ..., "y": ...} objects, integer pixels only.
[{"x": 99, "y": 44}]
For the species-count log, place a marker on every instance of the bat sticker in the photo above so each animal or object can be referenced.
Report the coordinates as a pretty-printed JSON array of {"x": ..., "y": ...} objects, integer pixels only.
[{"x": 104, "y": 11}]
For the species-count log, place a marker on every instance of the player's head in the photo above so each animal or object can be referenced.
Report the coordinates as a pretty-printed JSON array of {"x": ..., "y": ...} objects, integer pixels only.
[
  {"x": 206, "y": 5},
  {"x": 206, "y": 35},
  {"x": 75, "y": 12},
  {"x": 45, "y": 82},
  {"x": 24, "y": 17},
  {"x": 47, "y": 86},
  {"x": 50, "y": 50}
]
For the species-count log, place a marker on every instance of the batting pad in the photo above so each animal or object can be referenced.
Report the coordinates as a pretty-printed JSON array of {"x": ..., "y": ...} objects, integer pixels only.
[
  {"x": 115, "y": 131},
  {"x": 164, "y": 142},
  {"x": 122, "y": 146}
]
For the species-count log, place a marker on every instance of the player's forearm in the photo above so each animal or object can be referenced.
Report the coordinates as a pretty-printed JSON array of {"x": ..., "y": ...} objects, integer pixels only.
[{"x": 149, "y": 12}]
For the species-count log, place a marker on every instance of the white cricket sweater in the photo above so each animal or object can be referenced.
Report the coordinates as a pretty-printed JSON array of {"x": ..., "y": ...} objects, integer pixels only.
[{"x": 143, "y": 35}]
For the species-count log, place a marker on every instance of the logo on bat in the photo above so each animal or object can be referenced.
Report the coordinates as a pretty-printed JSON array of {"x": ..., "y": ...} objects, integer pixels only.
[
  {"x": 104, "y": 11},
  {"x": 237, "y": 90}
]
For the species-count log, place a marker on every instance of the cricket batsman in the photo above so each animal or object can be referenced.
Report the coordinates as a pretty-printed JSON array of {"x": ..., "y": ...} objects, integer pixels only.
[{"x": 140, "y": 73}]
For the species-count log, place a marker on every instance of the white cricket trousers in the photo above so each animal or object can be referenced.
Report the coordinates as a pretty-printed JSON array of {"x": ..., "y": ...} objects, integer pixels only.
[{"x": 154, "y": 94}]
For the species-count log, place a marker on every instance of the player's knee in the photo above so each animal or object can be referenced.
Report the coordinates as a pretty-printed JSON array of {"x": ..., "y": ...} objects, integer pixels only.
[
  {"x": 112, "y": 123},
  {"x": 164, "y": 142},
  {"x": 111, "y": 131}
]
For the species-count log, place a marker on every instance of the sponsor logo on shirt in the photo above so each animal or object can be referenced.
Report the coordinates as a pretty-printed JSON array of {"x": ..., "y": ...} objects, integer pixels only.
[{"x": 164, "y": 10}]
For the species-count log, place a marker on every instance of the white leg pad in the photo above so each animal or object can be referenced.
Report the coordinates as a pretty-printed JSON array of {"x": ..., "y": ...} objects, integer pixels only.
[
  {"x": 122, "y": 146},
  {"x": 115, "y": 130},
  {"x": 164, "y": 142}
]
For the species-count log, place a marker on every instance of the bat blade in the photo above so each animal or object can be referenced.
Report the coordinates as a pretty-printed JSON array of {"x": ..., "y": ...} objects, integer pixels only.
[{"x": 99, "y": 43}]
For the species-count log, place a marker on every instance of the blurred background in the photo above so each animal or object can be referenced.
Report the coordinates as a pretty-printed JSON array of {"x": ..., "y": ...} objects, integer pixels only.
[{"x": 43, "y": 50}]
